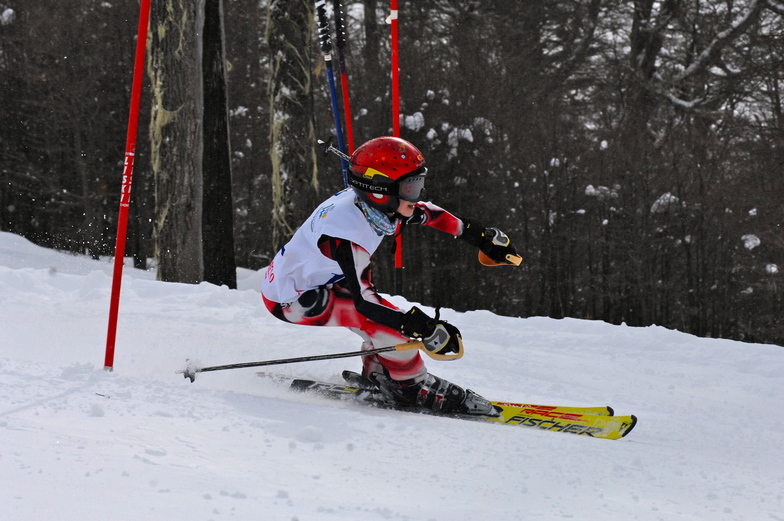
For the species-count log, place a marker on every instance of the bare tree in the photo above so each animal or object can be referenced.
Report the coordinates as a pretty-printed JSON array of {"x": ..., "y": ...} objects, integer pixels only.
[
  {"x": 218, "y": 211},
  {"x": 246, "y": 62},
  {"x": 59, "y": 138},
  {"x": 176, "y": 135},
  {"x": 292, "y": 141}
]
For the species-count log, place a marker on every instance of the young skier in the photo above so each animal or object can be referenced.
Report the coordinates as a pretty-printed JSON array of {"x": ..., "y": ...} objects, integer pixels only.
[{"x": 322, "y": 277}]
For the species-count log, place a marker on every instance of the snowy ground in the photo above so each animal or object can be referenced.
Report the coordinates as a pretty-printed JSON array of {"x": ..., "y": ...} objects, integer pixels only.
[{"x": 80, "y": 443}]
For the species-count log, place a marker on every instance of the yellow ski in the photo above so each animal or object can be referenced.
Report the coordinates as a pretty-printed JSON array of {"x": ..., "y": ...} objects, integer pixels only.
[{"x": 574, "y": 420}]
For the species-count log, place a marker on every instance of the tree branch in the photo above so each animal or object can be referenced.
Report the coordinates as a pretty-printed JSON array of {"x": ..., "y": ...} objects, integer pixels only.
[
  {"x": 775, "y": 6},
  {"x": 721, "y": 40}
]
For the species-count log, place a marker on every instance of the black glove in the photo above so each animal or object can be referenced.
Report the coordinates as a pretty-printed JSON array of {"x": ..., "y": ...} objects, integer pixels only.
[
  {"x": 491, "y": 241},
  {"x": 438, "y": 336}
]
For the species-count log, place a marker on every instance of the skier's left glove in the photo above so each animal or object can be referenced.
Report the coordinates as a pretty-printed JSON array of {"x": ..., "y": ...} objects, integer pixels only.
[
  {"x": 439, "y": 337},
  {"x": 492, "y": 242}
]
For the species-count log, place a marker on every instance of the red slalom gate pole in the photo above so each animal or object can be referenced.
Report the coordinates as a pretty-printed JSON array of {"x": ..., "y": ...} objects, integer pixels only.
[
  {"x": 393, "y": 16},
  {"x": 125, "y": 191},
  {"x": 340, "y": 33},
  {"x": 395, "y": 70}
]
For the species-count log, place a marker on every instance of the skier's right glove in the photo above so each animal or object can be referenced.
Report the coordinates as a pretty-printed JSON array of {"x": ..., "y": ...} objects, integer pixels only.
[{"x": 438, "y": 336}]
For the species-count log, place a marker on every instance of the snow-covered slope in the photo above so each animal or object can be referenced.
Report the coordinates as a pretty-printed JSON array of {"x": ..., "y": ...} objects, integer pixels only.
[{"x": 77, "y": 442}]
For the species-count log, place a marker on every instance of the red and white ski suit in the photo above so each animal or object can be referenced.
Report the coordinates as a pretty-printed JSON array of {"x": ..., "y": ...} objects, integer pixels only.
[{"x": 322, "y": 277}]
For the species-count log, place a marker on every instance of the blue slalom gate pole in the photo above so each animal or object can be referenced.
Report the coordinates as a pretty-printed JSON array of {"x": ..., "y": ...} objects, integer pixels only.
[{"x": 326, "y": 48}]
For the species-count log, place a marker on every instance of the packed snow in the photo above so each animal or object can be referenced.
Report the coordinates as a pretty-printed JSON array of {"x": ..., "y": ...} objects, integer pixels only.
[{"x": 141, "y": 442}]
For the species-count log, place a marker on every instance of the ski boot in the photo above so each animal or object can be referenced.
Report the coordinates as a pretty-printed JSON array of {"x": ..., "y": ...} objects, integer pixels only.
[
  {"x": 354, "y": 379},
  {"x": 433, "y": 394},
  {"x": 368, "y": 392}
]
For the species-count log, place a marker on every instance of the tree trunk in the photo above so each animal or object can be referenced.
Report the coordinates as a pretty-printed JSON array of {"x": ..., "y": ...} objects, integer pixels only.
[
  {"x": 292, "y": 136},
  {"x": 176, "y": 137},
  {"x": 218, "y": 213}
]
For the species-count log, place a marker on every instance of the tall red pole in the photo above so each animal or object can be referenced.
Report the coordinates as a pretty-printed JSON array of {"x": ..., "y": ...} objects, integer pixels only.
[
  {"x": 395, "y": 70},
  {"x": 340, "y": 37},
  {"x": 125, "y": 191},
  {"x": 396, "y": 132}
]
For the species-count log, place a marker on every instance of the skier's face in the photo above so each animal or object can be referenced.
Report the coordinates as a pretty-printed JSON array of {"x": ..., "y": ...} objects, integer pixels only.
[{"x": 406, "y": 208}]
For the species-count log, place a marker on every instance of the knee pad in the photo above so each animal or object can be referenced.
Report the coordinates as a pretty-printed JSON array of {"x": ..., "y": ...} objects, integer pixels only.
[{"x": 312, "y": 308}]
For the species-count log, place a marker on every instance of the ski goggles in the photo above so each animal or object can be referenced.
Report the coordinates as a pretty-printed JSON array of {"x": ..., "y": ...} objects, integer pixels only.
[{"x": 412, "y": 187}]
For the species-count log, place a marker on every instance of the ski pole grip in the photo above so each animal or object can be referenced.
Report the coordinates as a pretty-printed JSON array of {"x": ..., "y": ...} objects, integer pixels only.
[
  {"x": 511, "y": 260},
  {"x": 514, "y": 259},
  {"x": 411, "y": 344}
]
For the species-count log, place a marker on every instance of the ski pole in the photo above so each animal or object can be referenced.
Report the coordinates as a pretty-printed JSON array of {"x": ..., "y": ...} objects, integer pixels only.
[
  {"x": 326, "y": 48},
  {"x": 340, "y": 41},
  {"x": 190, "y": 371}
]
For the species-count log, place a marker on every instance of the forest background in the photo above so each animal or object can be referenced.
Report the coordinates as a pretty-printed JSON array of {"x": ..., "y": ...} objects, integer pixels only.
[{"x": 633, "y": 150}]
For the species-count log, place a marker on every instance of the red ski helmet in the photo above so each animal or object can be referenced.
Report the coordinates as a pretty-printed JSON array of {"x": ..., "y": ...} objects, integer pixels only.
[{"x": 385, "y": 170}]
